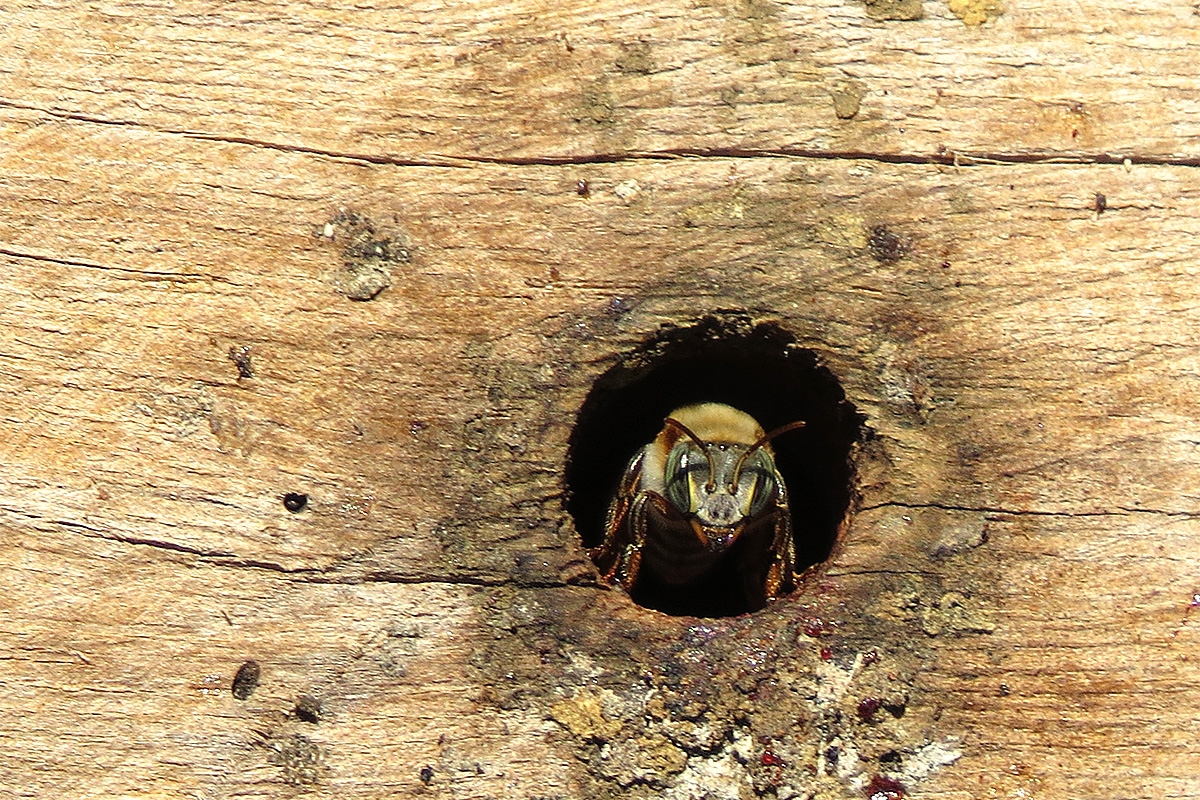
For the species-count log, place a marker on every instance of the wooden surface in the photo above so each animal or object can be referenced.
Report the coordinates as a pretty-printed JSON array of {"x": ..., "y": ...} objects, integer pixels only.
[{"x": 1016, "y": 590}]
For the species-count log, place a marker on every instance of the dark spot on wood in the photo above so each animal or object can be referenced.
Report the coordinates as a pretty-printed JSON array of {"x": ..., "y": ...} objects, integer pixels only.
[
  {"x": 636, "y": 59},
  {"x": 890, "y": 757},
  {"x": 886, "y": 246},
  {"x": 582, "y": 188},
  {"x": 364, "y": 240},
  {"x": 894, "y": 9},
  {"x": 968, "y": 452},
  {"x": 619, "y": 306},
  {"x": 246, "y": 680},
  {"x": 307, "y": 709},
  {"x": 815, "y": 627},
  {"x": 882, "y": 787},
  {"x": 295, "y": 501},
  {"x": 1101, "y": 203},
  {"x": 240, "y": 356},
  {"x": 867, "y": 708},
  {"x": 426, "y": 774}
]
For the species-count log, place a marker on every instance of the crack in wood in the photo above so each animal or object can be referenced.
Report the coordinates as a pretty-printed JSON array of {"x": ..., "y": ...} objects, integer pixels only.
[
  {"x": 423, "y": 580},
  {"x": 1120, "y": 511},
  {"x": 943, "y": 157},
  {"x": 324, "y": 575},
  {"x": 126, "y": 272}
]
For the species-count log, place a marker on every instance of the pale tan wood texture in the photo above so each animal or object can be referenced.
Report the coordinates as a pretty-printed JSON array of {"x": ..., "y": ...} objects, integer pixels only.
[
  {"x": 437, "y": 81},
  {"x": 1014, "y": 590}
]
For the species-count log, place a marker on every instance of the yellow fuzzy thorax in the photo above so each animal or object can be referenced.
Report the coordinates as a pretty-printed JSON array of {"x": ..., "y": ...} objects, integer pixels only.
[{"x": 717, "y": 422}]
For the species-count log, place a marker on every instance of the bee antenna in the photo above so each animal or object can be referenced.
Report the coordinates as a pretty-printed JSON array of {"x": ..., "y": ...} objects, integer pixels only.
[
  {"x": 686, "y": 431},
  {"x": 766, "y": 437}
]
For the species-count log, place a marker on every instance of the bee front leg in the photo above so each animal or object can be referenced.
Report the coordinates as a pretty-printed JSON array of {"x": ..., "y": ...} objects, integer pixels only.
[
  {"x": 781, "y": 575},
  {"x": 630, "y": 563}
]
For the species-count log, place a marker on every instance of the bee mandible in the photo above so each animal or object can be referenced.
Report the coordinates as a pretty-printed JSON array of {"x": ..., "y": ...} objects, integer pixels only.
[{"x": 702, "y": 512}]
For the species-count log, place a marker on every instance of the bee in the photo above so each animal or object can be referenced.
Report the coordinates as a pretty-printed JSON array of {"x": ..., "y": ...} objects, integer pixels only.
[{"x": 699, "y": 523}]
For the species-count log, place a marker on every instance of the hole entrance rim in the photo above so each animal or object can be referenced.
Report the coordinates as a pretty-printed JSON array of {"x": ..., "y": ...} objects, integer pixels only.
[{"x": 757, "y": 366}]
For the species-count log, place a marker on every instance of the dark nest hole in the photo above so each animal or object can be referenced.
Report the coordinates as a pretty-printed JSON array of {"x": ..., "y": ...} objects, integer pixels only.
[{"x": 758, "y": 369}]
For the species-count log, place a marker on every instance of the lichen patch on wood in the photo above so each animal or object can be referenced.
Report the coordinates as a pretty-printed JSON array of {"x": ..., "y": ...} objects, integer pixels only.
[{"x": 369, "y": 253}]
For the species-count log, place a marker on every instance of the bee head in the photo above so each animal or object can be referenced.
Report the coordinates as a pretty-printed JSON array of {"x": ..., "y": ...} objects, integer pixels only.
[{"x": 718, "y": 471}]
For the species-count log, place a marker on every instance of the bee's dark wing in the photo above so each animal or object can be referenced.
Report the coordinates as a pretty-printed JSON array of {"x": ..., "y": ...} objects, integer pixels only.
[{"x": 618, "y": 532}]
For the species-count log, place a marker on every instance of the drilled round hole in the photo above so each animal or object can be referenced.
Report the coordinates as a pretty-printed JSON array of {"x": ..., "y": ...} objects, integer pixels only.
[{"x": 758, "y": 369}]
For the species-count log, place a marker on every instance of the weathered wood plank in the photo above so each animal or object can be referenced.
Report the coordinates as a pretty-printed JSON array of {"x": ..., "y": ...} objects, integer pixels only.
[
  {"x": 119, "y": 661},
  {"x": 1014, "y": 592},
  {"x": 441, "y": 81}
]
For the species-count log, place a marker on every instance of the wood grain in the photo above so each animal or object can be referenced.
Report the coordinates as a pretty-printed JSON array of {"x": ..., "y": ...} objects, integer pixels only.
[
  {"x": 436, "y": 82},
  {"x": 1014, "y": 590}
]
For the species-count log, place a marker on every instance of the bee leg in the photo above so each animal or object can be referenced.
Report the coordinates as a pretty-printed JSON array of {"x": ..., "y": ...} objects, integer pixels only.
[
  {"x": 627, "y": 568},
  {"x": 774, "y": 580},
  {"x": 781, "y": 574},
  {"x": 608, "y": 556},
  {"x": 613, "y": 554}
]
